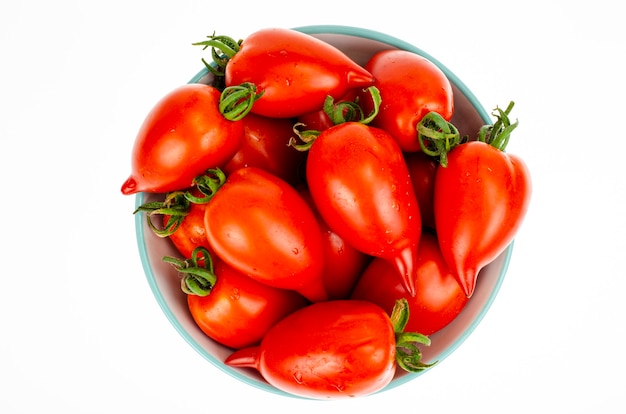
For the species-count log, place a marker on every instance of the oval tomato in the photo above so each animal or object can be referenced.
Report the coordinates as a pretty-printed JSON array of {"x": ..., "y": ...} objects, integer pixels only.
[
  {"x": 481, "y": 198},
  {"x": 334, "y": 349},
  {"x": 343, "y": 264},
  {"x": 410, "y": 86},
  {"x": 238, "y": 311},
  {"x": 361, "y": 186},
  {"x": 422, "y": 169},
  {"x": 261, "y": 226},
  {"x": 183, "y": 135},
  {"x": 294, "y": 71},
  {"x": 265, "y": 146},
  {"x": 438, "y": 298}
]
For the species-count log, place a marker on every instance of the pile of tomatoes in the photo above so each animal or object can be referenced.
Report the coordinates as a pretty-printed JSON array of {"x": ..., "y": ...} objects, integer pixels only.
[{"x": 328, "y": 215}]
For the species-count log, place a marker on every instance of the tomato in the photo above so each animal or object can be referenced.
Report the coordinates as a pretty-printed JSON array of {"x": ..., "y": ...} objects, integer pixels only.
[
  {"x": 410, "y": 86},
  {"x": 343, "y": 264},
  {"x": 438, "y": 299},
  {"x": 191, "y": 232},
  {"x": 327, "y": 350},
  {"x": 480, "y": 201},
  {"x": 423, "y": 169},
  {"x": 294, "y": 71},
  {"x": 261, "y": 226},
  {"x": 361, "y": 186},
  {"x": 182, "y": 136},
  {"x": 238, "y": 310},
  {"x": 265, "y": 145}
]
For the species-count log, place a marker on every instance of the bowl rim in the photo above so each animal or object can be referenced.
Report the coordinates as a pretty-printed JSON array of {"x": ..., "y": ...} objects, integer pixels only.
[{"x": 150, "y": 276}]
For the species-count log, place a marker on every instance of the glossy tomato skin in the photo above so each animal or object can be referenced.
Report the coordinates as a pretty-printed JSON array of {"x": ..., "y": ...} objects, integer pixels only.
[
  {"x": 294, "y": 71},
  {"x": 423, "y": 169},
  {"x": 239, "y": 310},
  {"x": 480, "y": 201},
  {"x": 182, "y": 136},
  {"x": 343, "y": 264},
  {"x": 265, "y": 146},
  {"x": 261, "y": 226},
  {"x": 361, "y": 186},
  {"x": 328, "y": 350},
  {"x": 438, "y": 299},
  {"x": 410, "y": 86}
]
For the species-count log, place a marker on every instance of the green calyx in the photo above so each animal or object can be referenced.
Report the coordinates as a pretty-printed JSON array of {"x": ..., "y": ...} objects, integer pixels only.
[
  {"x": 223, "y": 48},
  {"x": 498, "y": 134},
  {"x": 177, "y": 203},
  {"x": 198, "y": 274},
  {"x": 338, "y": 113},
  {"x": 408, "y": 352}
]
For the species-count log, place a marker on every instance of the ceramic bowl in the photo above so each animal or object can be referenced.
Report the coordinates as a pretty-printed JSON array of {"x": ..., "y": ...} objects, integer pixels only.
[{"x": 469, "y": 115}]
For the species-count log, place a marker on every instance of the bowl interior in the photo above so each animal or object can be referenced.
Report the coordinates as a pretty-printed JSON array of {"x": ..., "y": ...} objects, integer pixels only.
[{"x": 469, "y": 116}]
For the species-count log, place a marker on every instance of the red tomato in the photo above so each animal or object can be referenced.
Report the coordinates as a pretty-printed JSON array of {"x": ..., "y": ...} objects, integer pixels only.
[
  {"x": 438, "y": 299},
  {"x": 265, "y": 145},
  {"x": 238, "y": 310},
  {"x": 343, "y": 264},
  {"x": 481, "y": 198},
  {"x": 410, "y": 86},
  {"x": 191, "y": 233},
  {"x": 261, "y": 226},
  {"x": 361, "y": 186},
  {"x": 183, "y": 135},
  {"x": 423, "y": 169},
  {"x": 332, "y": 349},
  {"x": 294, "y": 71}
]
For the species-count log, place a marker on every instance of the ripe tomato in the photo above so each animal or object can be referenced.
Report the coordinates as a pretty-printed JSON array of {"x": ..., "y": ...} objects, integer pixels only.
[
  {"x": 438, "y": 299},
  {"x": 261, "y": 226},
  {"x": 343, "y": 264},
  {"x": 238, "y": 310},
  {"x": 294, "y": 71},
  {"x": 423, "y": 169},
  {"x": 191, "y": 232},
  {"x": 481, "y": 198},
  {"x": 361, "y": 186},
  {"x": 183, "y": 135},
  {"x": 265, "y": 145},
  {"x": 334, "y": 349},
  {"x": 410, "y": 86}
]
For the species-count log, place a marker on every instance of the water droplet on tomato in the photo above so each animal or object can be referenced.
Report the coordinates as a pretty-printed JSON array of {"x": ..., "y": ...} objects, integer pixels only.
[
  {"x": 297, "y": 376},
  {"x": 235, "y": 295}
]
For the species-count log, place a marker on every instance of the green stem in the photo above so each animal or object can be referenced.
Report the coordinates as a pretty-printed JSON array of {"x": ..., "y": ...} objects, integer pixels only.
[
  {"x": 207, "y": 184},
  {"x": 236, "y": 101},
  {"x": 223, "y": 48},
  {"x": 175, "y": 205},
  {"x": 198, "y": 273},
  {"x": 437, "y": 136},
  {"x": 498, "y": 134},
  {"x": 408, "y": 353}
]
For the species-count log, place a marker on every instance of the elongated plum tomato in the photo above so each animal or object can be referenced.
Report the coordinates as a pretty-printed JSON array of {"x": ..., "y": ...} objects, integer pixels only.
[
  {"x": 260, "y": 225},
  {"x": 438, "y": 296},
  {"x": 182, "y": 136},
  {"x": 294, "y": 71},
  {"x": 328, "y": 350},
  {"x": 238, "y": 311},
  {"x": 361, "y": 186},
  {"x": 411, "y": 86},
  {"x": 480, "y": 201}
]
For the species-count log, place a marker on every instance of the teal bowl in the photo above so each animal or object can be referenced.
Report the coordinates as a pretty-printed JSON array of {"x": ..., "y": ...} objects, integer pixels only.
[{"x": 469, "y": 116}]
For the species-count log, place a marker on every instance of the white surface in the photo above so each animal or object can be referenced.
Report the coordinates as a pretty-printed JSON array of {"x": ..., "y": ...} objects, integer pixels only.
[{"x": 81, "y": 332}]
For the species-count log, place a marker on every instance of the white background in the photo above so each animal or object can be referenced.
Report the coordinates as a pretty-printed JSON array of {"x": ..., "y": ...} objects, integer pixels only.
[{"x": 80, "y": 331}]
